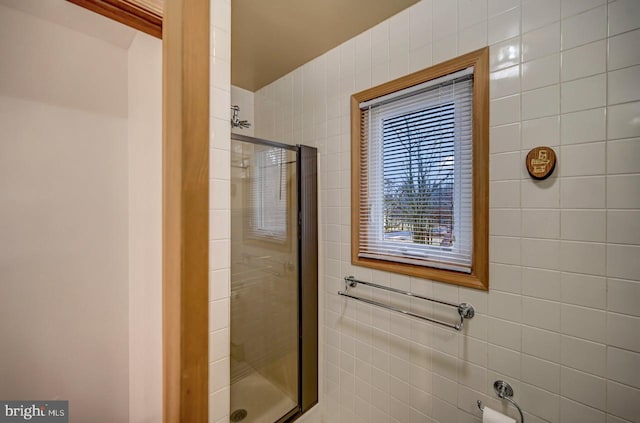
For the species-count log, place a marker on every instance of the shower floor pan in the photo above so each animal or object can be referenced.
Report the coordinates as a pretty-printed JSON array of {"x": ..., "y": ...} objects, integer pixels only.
[{"x": 262, "y": 401}]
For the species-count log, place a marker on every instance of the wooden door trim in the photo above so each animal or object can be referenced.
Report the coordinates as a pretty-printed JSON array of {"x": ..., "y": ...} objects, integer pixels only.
[
  {"x": 186, "y": 211},
  {"x": 128, "y": 13}
]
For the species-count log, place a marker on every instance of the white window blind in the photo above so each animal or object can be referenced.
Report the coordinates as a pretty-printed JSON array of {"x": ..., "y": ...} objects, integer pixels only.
[
  {"x": 416, "y": 174},
  {"x": 268, "y": 199}
]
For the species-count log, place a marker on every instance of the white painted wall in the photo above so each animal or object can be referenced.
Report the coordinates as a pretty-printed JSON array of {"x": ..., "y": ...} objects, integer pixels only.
[
  {"x": 560, "y": 322},
  {"x": 63, "y": 218},
  {"x": 80, "y": 209},
  {"x": 145, "y": 229}
]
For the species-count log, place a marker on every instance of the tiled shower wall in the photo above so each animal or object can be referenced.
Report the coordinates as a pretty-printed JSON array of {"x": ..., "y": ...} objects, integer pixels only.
[
  {"x": 560, "y": 322},
  {"x": 219, "y": 220}
]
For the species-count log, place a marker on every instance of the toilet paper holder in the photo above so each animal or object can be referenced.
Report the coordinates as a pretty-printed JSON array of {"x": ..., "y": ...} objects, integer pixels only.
[{"x": 504, "y": 391}]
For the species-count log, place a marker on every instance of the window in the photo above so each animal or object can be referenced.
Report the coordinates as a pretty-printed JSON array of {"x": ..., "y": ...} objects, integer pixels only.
[
  {"x": 268, "y": 198},
  {"x": 420, "y": 173}
]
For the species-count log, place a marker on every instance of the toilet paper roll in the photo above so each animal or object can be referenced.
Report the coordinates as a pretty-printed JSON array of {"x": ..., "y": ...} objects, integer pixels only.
[{"x": 492, "y": 416}]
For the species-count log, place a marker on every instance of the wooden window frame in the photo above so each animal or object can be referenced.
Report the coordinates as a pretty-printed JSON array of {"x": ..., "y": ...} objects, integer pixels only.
[{"x": 479, "y": 276}]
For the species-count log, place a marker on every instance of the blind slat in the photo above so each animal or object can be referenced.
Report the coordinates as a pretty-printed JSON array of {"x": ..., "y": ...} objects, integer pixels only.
[{"x": 416, "y": 187}]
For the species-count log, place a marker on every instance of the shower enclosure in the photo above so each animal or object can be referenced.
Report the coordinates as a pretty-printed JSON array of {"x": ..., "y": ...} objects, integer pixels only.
[{"x": 273, "y": 280}]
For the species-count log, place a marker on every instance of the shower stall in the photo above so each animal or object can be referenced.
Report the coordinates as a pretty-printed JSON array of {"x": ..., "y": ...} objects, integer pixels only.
[{"x": 273, "y": 280}]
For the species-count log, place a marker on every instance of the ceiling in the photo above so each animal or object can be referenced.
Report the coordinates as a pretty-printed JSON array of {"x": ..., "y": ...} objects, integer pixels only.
[{"x": 271, "y": 38}]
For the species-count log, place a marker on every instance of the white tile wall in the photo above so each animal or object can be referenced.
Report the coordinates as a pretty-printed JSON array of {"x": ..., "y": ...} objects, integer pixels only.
[
  {"x": 219, "y": 262},
  {"x": 560, "y": 321}
]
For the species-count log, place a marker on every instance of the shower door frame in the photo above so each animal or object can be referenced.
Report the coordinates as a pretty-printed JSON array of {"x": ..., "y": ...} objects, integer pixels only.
[{"x": 307, "y": 222}]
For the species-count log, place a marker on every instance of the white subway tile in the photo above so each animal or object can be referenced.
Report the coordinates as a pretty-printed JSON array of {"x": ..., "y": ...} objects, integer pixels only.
[
  {"x": 473, "y": 37},
  {"x": 504, "y": 333},
  {"x": 219, "y": 344},
  {"x": 504, "y": 194},
  {"x": 623, "y": 366},
  {"x": 543, "y": 131},
  {"x": 623, "y": 401},
  {"x": 589, "y": 59},
  {"x": 504, "y": 138},
  {"x": 505, "y": 306},
  {"x": 504, "y": 361},
  {"x": 541, "y": 42},
  {"x": 505, "y": 82},
  {"x": 542, "y": 253},
  {"x": 584, "y": 28},
  {"x": 623, "y": 226},
  {"x": 573, "y": 7},
  {"x": 541, "y": 373},
  {"x": 445, "y": 48},
  {"x": 584, "y": 290},
  {"x": 584, "y": 323},
  {"x": 583, "y": 225},
  {"x": 623, "y": 191},
  {"x": 538, "y": 13},
  {"x": 583, "y": 257},
  {"x": 506, "y": 278},
  {"x": 541, "y": 283},
  {"x": 504, "y": 26},
  {"x": 622, "y": 156},
  {"x": 219, "y": 403},
  {"x": 541, "y": 314},
  {"x": 504, "y": 54},
  {"x": 541, "y": 102},
  {"x": 587, "y": 356},
  {"x": 219, "y": 284},
  {"x": 445, "y": 18},
  {"x": 584, "y": 126},
  {"x": 584, "y": 388},
  {"x": 496, "y": 7},
  {"x": 583, "y": 159},
  {"x": 572, "y": 411},
  {"x": 623, "y": 50},
  {"x": 585, "y": 93},
  {"x": 540, "y": 194},
  {"x": 622, "y": 261},
  {"x": 622, "y": 120},
  {"x": 218, "y": 314},
  {"x": 471, "y": 375},
  {"x": 219, "y": 254},
  {"x": 622, "y": 331},
  {"x": 505, "y": 110},
  {"x": 583, "y": 192},
  {"x": 471, "y": 12},
  {"x": 541, "y": 223},
  {"x": 420, "y": 24},
  {"x": 624, "y": 85},
  {"x": 541, "y": 343},
  {"x": 541, "y": 72},
  {"x": 505, "y": 222},
  {"x": 420, "y": 58},
  {"x": 538, "y": 402},
  {"x": 219, "y": 377},
  {"x": 623, "y": 296},
  {"x": 504, "y": 166},
  {"x": 624, "y": 15}
]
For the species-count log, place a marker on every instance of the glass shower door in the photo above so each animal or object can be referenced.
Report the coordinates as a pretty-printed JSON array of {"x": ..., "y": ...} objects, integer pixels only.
[{"x": 264, "y": 283}]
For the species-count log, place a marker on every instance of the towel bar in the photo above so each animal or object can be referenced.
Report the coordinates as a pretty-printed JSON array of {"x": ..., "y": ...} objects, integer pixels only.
[{"x": 465, "y": 310}]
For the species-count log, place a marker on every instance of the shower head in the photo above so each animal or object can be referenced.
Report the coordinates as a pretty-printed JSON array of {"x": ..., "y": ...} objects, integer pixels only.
[{"x": 235, "y": 119}]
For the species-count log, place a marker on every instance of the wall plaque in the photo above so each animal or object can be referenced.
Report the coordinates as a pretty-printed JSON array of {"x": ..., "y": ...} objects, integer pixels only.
[{"x": 541, "y": 161}]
